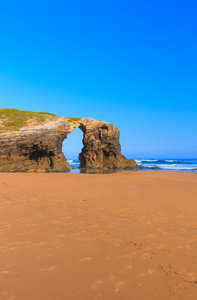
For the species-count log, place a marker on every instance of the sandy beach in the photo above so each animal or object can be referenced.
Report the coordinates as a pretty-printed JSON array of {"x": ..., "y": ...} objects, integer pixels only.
[{"x": 129, "y": 235}]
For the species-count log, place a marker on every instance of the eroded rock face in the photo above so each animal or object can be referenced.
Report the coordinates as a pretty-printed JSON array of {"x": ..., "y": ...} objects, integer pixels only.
[
  {"x": 40, "y": 147},
  {"x": 102, "y": 148}
]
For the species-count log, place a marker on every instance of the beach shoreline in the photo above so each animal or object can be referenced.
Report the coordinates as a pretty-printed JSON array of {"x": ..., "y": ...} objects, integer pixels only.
[
  {"x": 124, "y": 235},
  {"x": 153, "y": 164}
]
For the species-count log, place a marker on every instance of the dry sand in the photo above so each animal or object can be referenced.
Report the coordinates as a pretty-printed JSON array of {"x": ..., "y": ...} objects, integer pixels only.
[{"x": 130, "y": 235}]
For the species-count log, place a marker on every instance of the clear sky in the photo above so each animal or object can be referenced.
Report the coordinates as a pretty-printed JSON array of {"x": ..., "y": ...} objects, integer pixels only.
[{"x": 131, "y": 63}]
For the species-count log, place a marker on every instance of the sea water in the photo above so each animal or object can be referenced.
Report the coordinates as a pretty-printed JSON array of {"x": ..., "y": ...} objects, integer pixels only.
[
  {"x": 74, "y": 163},
  {"x": 189, "y": 165},
  {"x": 169, "y": 164}
]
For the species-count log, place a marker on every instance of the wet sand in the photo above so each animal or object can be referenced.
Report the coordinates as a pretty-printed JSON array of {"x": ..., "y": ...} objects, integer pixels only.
[{"x": 130, "y": 235}]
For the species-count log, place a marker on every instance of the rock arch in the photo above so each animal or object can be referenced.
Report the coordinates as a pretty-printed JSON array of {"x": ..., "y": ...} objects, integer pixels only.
[
  {"x": 40, "y": 147},
  {"x": 72, "y": 146}
]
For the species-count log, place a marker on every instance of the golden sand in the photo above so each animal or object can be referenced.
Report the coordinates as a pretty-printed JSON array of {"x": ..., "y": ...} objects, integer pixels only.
[{"x": 129, "y": 235}]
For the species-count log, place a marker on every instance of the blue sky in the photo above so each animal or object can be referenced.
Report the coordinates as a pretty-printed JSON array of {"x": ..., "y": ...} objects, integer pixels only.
[{"x": 131, "y": 63}]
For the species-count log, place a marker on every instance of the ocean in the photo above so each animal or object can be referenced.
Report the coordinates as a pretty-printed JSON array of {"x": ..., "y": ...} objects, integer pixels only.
[
  {"x": 74, "y": 163},
  {"x": 189, "y": 165},
  {"x": 169, "y": 164}
]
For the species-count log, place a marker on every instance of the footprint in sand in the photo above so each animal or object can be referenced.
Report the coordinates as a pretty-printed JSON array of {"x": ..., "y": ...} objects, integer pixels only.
[
  {"x": 97, "y": 283},
  {"x": 146, "y": 256},
  {"x": 48, "y": 269},
  {"x": 126, "y": 269},
  {"x": 119, "y": 286},
  {"x": 84, "y": 259}
]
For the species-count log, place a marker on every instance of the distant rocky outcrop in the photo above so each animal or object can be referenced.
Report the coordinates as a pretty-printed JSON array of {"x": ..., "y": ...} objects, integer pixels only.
[{"x": 33, "y": 142}]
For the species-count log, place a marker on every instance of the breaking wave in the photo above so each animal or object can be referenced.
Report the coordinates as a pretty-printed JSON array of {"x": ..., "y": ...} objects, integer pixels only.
[
  {"x": 169, "y": 164},
  {"x": 152, "y": 164}
]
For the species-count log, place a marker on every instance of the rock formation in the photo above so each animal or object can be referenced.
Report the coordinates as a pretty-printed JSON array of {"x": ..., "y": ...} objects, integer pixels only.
[{"x": 38, "y": 146}]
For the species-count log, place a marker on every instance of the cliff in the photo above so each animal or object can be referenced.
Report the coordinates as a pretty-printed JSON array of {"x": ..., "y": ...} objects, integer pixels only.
[{"x": 33, "y": 141}]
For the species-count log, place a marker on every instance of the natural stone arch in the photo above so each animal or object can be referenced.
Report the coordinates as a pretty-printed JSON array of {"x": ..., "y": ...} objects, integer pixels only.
[
  {"x": 72, "y": 146},
  {"x": 40, "y": 147}
]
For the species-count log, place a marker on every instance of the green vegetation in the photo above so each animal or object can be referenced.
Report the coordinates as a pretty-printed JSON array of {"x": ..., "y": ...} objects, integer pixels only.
[
  {"x": 73, "y": 119},
  {"x": 14, "y": 119},
  {"x": 10, "y": 112},
  {"x": 18, "y": 122}
]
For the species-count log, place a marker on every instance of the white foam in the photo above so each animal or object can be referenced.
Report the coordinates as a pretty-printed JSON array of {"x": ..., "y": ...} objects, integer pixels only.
[{"x": 169, "y": 164}]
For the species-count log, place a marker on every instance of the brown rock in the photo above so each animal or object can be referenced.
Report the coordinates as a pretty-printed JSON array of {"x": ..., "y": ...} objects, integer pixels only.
[
  {"x": 102, "y": 149},
  {"x": 40, "y": 147}
]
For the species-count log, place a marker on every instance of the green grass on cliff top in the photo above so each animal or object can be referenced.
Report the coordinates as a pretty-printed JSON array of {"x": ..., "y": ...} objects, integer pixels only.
[
  {"x": 73, "y": 119},
  {"x": 11, "y": 112},
  {"x": 14, "y": 119}
]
